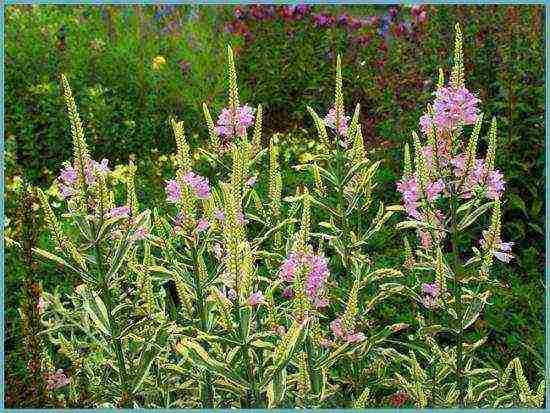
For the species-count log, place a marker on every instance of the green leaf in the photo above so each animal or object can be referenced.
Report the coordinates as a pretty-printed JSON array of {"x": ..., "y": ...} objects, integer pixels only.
[
  {"x": 202, "y": 359},
  {"x": 276, "y": 389},
  {"x": 472, "y": 216}
]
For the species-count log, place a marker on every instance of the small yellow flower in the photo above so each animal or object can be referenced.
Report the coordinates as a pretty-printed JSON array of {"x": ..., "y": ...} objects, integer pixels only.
[{"x": 158, "y": 62}]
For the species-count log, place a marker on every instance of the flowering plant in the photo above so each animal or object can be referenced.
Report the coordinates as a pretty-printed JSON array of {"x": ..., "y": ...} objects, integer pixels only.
[{"x": 183, "y": 306}]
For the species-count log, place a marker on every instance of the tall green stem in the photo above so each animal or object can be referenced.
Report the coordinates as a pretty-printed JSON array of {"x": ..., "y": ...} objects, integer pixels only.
[
  {"x": 459, "y": 304},
  {"x": 207, "y": 393},
  {"x": 115, "y": 331},
  {"x": 341, "y": 201}
]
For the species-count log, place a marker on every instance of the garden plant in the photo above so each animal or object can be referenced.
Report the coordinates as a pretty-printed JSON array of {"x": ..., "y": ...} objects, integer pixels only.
[{"x": 230, "y": 292}]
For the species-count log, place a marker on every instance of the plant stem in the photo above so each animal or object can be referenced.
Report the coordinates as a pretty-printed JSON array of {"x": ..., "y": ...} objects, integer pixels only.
[
  {"x": 207, "y": 386},
  {"x": 341, "y": 203},
  {"x": 117, "y": 342},
  {"x": 459, "y": 306}
]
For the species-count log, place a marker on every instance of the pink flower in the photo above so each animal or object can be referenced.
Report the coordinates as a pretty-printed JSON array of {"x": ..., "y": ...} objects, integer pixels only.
[
  {"x": 453, "y": 107},
  {"x": 56, "y": 380},
  {"x": 240, "y": 218},
  {"x": 281, "y": 330},
  {"x": 336, "y": 328},
  {"x": 501, "y": 250},
  {"x": 317, "y": 266},
  {"x": 321, "y": 303},
  {"x": 325, "y": 343},
  {"x": 495, "y": 184},
  {"x": 202, "y": 224},
  {"x": 330, "y": 120},
  {"x": 430, "y": 289},
  {"x": 230, "y": 126},
  {"x": 141, "y": 233},
  {"x": 198, "y": 184},
  {"x": 434, "y": 189},
  {"x": 411, "y": 196},
  {"x": 256, "y": 298},
  {"x": 119, "y": 212},
  {"x": 355, "y": 337},
  {"x": 173, "y": 191},
  {"x": 42, "y": 304}
]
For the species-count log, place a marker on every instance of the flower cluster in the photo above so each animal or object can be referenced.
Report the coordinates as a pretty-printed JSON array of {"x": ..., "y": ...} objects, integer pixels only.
[
  {"x": 318, "y": 273},
  {"x": 350, "y": 335},
  {"x": 230, "y": 125},
  {"x": 386, "y": 25},
  {"x": 431, "y": 292},
  {"x": 454, "y": 107},
  {"x": 56, "y": 380},
  {"x": 68, "y": 176},
  {"x": 501, "y": 250},
  {"x": 198, "y": 183},
  {"x": 330, "y": 120}
]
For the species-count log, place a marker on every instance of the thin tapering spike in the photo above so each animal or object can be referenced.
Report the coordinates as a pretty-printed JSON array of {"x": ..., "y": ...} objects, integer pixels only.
[
  {"x": 457, "y": 76},
  {"x": 233, "y": 89},
  {"x": 491, "y": 150},
  {"x": 214, "y": 137}
]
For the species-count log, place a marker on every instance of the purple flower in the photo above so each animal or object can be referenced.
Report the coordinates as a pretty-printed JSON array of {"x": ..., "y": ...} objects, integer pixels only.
[
  {"x": 198, "y": 184},
  {"x": 430, "y": 289},
  {"x": 501, "y": 250},
  {"x": 119, "y": 212},
  {"x": 230, "y": 125},
  {"x": 433, "y": 189},
  {"x": 454, "y": 107},
  {"x": 256, "y": 298},
  {"x": 495, "y": 184},
  {"x": 336, "y": 328},
  {"x": 68, "y": 175},
  {"x": 323, "y": 19},
  {"x": 288, "y": 293},
  {"x": 202, "y": 225},
  {"x": 173, "y": 191},
  {"x": 231, "y": 294},
  {"x": 330, "y": 120},
  {"x": 219, "y": 214}
]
